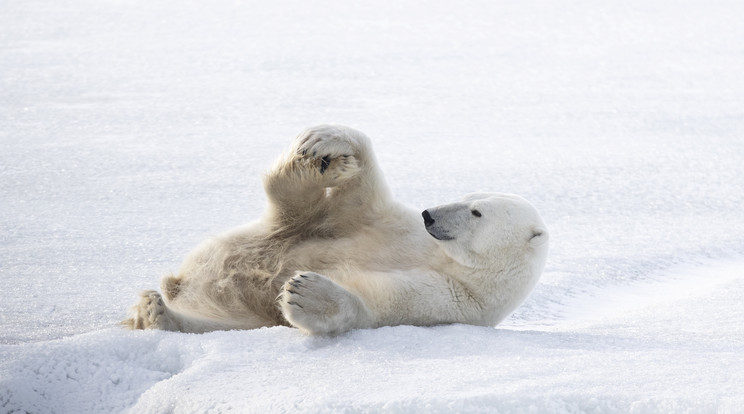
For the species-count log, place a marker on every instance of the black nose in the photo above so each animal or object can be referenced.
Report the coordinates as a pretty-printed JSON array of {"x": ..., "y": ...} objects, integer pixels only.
[{"x": 428, "y": 221}]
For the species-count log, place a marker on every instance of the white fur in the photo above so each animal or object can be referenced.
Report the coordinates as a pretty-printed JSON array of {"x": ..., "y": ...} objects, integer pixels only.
[{"x": 334, "y": 252}]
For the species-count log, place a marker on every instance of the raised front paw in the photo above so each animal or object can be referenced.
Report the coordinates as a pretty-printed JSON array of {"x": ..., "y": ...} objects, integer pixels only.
[
  {"x": 319, "y": 306},
  {"x": 329, "y": 141},
  {"x": 336, "y": 152},
  {"x": 150, "y": 313}
]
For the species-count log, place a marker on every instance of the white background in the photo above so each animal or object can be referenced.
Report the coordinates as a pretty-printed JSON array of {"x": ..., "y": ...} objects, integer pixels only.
[{"x": 132, "y": 129}]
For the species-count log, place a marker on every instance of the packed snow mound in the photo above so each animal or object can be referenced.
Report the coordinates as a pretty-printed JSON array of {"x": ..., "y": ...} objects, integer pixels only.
[{"x": 620, "y": 363}]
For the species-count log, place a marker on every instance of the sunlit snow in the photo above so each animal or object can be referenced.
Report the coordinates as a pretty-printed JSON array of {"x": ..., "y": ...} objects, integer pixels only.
[{"x": 131, "y": 130}]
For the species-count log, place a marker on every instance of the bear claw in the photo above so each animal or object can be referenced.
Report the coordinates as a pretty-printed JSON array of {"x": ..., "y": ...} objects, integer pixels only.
[{"x": 324, "y": 163}]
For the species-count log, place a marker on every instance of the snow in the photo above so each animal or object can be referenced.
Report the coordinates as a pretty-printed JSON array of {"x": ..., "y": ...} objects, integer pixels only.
[
  {"x": 131, "y": 130},
  {"x": 642, "y": 359}
]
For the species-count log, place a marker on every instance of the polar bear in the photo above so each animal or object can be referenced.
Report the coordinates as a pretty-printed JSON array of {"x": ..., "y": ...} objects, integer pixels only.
[{"x": 334, "y": 252}]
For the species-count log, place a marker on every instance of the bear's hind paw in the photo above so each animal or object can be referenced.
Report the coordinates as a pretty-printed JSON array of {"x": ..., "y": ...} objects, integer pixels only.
[{"x": 150, "y": 313}]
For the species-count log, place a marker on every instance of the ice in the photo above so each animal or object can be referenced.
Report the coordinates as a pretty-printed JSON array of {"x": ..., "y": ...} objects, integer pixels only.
[{"x": 131, "y": 130}]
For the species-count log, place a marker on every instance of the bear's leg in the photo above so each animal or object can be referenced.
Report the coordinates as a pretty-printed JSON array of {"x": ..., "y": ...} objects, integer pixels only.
[
  {"x": 355, "y": 198},
  {"x": 319, "y": 306},
  {"x": 328, "y": 169},
  {"x": 296, "y": 185},
  {"x": 336, "y": 142},
  {"x": 152, "y": 313}
]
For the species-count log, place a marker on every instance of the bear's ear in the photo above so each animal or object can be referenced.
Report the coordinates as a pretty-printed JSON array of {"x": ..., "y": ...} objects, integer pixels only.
[{"x": 539, "y": 236}]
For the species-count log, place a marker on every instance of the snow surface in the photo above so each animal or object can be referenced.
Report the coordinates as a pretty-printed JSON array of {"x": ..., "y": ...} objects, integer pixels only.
[{"x": 132, "y": 129}]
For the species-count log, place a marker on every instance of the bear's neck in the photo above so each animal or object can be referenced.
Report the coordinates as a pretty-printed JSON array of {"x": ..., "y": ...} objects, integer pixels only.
[{"x": 495, "y": 290}]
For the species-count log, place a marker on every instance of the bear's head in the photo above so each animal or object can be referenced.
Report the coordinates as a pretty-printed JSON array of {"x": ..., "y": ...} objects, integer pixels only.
[{"x": 487, "y": 229}]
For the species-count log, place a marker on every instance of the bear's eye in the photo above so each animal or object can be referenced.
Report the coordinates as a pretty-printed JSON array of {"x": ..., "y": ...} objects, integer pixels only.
[{"x": 476, "y": 213}]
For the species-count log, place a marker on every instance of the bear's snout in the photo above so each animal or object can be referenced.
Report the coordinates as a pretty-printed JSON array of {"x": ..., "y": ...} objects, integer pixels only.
[
  {"x": 436, "y": 231},
  {"x": 428, "y": 221}
]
